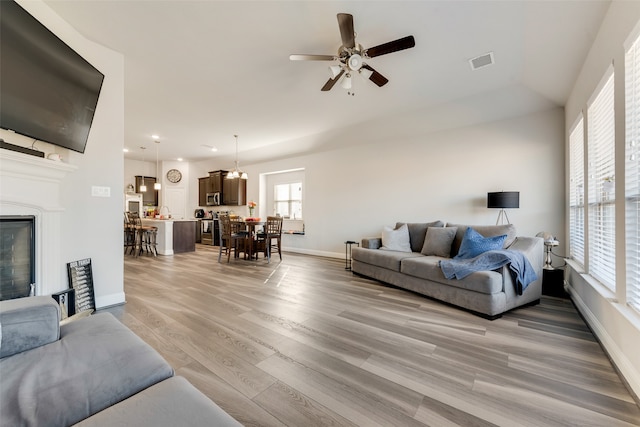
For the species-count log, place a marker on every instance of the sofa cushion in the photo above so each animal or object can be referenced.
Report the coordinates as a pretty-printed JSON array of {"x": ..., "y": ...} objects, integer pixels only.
[
  {"x": 172, "y": 402},
  {"x": 418, "y": 232},
  {"x": 438, "y": 241},
  {"x": 427, "y": 267},
  {"x": 27, "y": 323},
  {"x": 486, "y": 231},
  {"x": 96, "y": 363},
  {"x": 385, "y": 259},
  {"x": 474, "y": 244},
  {"x": 396, "y": 239}
]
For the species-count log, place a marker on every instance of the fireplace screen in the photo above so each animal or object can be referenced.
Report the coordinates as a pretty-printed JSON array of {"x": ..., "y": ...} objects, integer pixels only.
[{"x": 17, "y": 256}]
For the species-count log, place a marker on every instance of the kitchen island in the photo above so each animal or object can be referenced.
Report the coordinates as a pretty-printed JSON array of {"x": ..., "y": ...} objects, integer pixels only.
[{"x": 174, "y": 235}]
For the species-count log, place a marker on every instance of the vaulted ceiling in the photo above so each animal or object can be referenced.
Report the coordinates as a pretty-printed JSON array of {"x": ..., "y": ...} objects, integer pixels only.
[{"x": 198, "y": 72}]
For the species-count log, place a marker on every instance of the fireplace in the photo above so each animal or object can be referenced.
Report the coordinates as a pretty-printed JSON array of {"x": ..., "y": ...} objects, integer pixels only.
[
  {"x": 17, "y": 256},
  {"x": 30, "y": 187}
]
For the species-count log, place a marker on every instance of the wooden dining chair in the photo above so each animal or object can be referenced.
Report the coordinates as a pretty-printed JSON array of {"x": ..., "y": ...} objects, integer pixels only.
[
  {"x": 230, "y": 234},
  {"x": 272, "y": 233}
]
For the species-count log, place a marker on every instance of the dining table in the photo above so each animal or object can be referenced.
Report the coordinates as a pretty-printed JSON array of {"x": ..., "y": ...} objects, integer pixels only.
[{"x": 251, "y": 236}]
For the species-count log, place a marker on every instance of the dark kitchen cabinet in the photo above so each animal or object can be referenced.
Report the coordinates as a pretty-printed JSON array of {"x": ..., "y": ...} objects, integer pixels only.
[
  {"x": 234, "y": 192},
  {"x": 204, "y": 187},
  {"x": 149, "y": 197},
  {"x": 215, "y": 179}
]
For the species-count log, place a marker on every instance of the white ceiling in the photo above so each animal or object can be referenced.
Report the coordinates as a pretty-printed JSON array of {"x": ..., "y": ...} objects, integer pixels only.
[{"x": 198, "y": 72}]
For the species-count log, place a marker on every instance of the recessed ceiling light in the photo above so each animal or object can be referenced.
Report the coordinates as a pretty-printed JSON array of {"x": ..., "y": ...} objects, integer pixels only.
[
  {"x": 179, "y": 159},
  {"x": 214, "y": 149},
  {"x": 126, "y": 150},
  {"x": 156, "y": 137}
]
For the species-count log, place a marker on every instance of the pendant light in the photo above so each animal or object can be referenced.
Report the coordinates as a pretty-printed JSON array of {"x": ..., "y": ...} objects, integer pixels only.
[
  {"x": 143, "y": 187},
  {"x": 157, "y": 185},
  {"x": 236, "y": 172}
]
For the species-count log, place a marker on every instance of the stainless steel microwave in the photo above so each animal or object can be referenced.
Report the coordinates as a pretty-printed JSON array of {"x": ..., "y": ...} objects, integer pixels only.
[{"x": 213, "y": 199}]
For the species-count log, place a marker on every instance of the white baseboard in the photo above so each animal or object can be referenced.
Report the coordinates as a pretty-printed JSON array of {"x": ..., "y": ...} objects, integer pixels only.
[
  {"x": 109, "y": 300},
  {"x": 314, "y": 252},
  {"x": 622, "y": 363}
]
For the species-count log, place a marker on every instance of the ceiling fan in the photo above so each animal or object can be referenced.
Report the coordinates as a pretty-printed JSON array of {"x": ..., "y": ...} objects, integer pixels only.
[{"x": 352, "y": 56}]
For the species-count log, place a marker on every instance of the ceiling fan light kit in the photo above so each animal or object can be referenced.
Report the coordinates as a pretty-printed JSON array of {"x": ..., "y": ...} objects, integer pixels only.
[{"x": 352, "y": 56}]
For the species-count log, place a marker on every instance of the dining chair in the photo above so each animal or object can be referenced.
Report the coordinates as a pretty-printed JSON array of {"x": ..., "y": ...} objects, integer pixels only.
[
  {"x": 272, "y": 231},
  {"x": 230, "y": 234}
]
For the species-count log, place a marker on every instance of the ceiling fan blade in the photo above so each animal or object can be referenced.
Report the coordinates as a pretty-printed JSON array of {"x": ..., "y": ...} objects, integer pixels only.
[
  {"x": 376, "y": 77},
  {"x": 329, "y": 84},
  {"x": 297, "y": 57},
  {"x": 394, "y": 46},
  {"x": 345, "y": 22}
]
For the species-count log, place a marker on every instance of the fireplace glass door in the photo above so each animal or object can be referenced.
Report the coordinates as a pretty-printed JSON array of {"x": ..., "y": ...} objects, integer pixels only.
[{"x": 17, "y": 256}]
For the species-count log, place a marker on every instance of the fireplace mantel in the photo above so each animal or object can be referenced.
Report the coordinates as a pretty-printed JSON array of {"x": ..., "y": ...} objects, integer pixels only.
[
  {"x": 31, "y": 185},
  {"x": 30, "y": 167}
]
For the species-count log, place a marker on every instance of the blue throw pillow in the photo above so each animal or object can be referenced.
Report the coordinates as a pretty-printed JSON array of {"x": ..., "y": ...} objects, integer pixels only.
[{"x": 474, "y": 243}]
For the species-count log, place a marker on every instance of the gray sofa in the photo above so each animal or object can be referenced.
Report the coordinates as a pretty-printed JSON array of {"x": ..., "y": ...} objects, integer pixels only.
[
  {"x": 485, "y": 293},
  {"x": 93, "y": 371}
]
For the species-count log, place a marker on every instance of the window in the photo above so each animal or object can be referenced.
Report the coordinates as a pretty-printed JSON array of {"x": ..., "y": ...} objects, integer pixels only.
[
  {"x": 287, "y": 200},
  {"x": 632, "y": 172},
  {"x": 576, "y": 192},
  {"x": 601, "y": 182}
]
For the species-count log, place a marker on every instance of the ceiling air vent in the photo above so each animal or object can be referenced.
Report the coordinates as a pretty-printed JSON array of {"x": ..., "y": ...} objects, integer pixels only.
[{"x": 481, "y": 61}]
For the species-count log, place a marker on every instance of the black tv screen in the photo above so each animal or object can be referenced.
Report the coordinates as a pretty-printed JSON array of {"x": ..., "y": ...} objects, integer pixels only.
[{"x": 47, "y": 91}]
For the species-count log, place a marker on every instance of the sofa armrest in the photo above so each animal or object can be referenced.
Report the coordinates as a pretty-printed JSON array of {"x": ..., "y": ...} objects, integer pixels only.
[
  {"x": 372, "y": 242},
  {"x": 27, "y": 323},
  {"x": 533, "y": 249}
]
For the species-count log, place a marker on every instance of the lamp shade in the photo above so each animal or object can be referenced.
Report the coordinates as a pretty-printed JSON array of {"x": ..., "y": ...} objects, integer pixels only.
[{"x": 503, "y": 200}]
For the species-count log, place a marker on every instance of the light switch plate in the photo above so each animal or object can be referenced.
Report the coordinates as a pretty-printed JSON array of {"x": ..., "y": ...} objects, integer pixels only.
[{"x": 97, "y": 191}]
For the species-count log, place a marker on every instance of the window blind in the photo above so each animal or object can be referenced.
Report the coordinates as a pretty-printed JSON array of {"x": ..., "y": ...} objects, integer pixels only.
[
  {"x": 601, "y": 182},
  {"x": 576, "y": 192},
  {"x": 632, "y": 173}
]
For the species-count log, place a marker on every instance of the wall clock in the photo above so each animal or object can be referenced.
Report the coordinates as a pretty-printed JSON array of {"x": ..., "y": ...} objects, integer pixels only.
[{"x": 174, "y": 175}]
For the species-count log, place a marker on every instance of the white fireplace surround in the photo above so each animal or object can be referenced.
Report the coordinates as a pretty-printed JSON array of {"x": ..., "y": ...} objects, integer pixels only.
[{"x": 30, "y": 185}]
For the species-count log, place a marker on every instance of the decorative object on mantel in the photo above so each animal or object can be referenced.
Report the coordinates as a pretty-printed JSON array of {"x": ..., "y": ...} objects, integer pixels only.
[
  {"x": 503, "y": 200},
  {"x": 236, "y": 172},
  {"x": 130, "y": 189},
  {"x": 252, "y": 205}
]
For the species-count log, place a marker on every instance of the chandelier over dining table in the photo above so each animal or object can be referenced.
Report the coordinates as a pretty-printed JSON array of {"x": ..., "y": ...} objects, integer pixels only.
[{"x": 236, "y": 172}]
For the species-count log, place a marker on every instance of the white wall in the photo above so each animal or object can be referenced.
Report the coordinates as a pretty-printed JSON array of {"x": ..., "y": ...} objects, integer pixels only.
[
  {"x": 615, "y": 324},
  {"x": 351, "y": 192},
  {"x": 92, "y": 226}
]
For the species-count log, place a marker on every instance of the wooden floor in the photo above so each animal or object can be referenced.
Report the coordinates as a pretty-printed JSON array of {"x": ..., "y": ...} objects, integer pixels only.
[{"x": 303, "y": 342}]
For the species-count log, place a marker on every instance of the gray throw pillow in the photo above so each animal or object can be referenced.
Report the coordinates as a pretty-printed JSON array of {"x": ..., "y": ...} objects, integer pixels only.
[
  {"x": 438, "y": 241},
  {"x": 418, "y": 231}
]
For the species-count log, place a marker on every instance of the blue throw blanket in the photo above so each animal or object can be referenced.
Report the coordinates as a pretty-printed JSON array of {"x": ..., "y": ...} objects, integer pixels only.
[{"x": 519, "y": 265}]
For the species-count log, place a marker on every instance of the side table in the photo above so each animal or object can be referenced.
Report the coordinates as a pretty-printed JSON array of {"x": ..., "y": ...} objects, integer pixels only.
[
  {"x": 347, "y": 253},
  {"x": 553, "y": 282}
]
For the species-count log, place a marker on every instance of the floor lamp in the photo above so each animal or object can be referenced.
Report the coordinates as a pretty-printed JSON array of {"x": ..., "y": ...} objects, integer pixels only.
[{"x": 503, "y": 200}]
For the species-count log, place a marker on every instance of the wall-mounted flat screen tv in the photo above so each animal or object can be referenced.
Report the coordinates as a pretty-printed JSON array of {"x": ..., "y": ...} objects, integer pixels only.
[{"x": 47, "y": 91}]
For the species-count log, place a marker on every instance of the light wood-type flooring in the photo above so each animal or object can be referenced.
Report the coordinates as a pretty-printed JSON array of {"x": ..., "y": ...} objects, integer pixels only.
[{"x": 303, "y": 342}]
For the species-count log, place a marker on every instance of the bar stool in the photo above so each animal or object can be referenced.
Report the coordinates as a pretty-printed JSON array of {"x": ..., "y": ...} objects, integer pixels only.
[{"x": 149, "y": 239}]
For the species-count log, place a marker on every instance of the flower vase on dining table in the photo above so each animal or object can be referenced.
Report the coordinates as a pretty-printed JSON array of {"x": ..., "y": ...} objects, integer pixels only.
[{"x": 251, "y": 212}]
